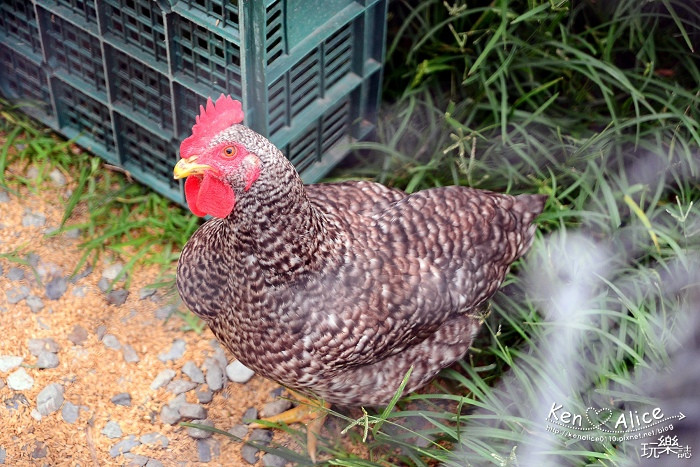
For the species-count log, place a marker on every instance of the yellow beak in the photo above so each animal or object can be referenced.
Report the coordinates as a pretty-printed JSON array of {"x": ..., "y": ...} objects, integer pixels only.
[{"x": 186, "y": 167}]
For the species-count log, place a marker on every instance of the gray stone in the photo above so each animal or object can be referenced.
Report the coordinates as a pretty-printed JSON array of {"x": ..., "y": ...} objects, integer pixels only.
[
  {"x": 178, "y": 401},
  {"x": 262, "y": 436},
  {"x": 177, "y": 350},
  {"x": 272, "y": 460},
  {"x": 275, "y": 407},
  {"x": 164, "y": 312},
  {"x": 169, "y": 415},
  {"x": 50, "y": 399},
  {"x": 204, "y": 396},
  {"x": 39, "y": 451},
  {"x": 17, "y": 294},
  {"x": 112, "y": 271},
  {"x": 33, "y": 259},
  {"x": 46, "y": 359},
  {"x": 12, "y": 403},
  {"x": 239, "y": 431},
  {"x": 112, "y": 430},
  {"x": 70, "y": 412},
  {"x": 15, "y": 274},
  {"x": 123, "y": 398},
  {"x": 79, "y": 291},
  {"x": 129, "y": 354},
  {"x": 135, "y": 459},
  {"x": 117, "y": 297},
  {"x": 57, "y": 177},
  {"x": 73, "y": 234},
  {"x": 238, "y": 372},
  {"x": 9, "y": 362},
  {"x": 111, "y": 341},
  {"x": 56, "y": 288},
  {"x": 101, "y": 331},
  {"x": 154, "y": 438},
  {"x": 215, "y": 374},
  {"x": 103, "y": 284},
  {"x": 193, "y": 372},
  {"x": 35, "y": 303},
  {"x": 47, "y": 270},
  {"x": 46, "y": 344},
  {"x": 203, "y": 450},
  {"x": 163, "y": 378},
  {"x": 178, "y": 386},
  {"x": 192, "y": 411},
  {"x": 33, "y": 219},
  {"x": 249, "y": 453},
  {"x": 36, "y": 415},
  {"x": 78, "y": 335},
  {"x": 19, "y": 380},
  {"x": 145, "y": 292},
  {"x": 249, "y": 415},
  {"x": 154, "y": 463},
  {"x": 123, "y": 446},
  {"x": 199, "y": 433},
  {"x": 3, "y": 452},
  {"x": 4, "y": 197}
]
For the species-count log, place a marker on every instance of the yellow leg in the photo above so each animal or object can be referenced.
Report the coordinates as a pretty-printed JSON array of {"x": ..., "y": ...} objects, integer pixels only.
[{"x": 311, "y": 412}]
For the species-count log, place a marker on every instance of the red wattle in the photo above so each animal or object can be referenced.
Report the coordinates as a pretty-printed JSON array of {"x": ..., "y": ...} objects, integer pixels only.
[
  {"x": 215, "y": 197},
  {"x": 192, "y": 186}
]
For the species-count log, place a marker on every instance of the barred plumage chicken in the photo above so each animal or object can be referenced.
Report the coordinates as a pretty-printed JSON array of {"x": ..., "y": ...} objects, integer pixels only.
[{"x": 336, "y": 290}]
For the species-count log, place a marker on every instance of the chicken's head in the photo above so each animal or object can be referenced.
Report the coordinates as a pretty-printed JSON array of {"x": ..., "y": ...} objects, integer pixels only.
[{"x": 215, "y": 161}]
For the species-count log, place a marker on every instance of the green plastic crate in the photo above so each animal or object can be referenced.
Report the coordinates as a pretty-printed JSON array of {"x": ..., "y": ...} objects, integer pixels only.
[{"x": 126, "y": 77}]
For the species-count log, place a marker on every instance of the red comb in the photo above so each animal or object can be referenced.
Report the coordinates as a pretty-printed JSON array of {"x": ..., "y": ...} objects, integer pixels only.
[{"x": 216, "y": 117}]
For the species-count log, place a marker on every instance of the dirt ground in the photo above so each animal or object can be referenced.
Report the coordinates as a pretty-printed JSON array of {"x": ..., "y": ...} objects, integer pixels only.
[{"x": 91, "y": 372}]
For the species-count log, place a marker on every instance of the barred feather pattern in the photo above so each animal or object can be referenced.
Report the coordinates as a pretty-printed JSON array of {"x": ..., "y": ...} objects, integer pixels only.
[{"x": 336, "y": 290}]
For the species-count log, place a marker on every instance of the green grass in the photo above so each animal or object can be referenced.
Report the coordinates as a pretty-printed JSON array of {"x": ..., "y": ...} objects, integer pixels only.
[{"x": 596, "y": 104}]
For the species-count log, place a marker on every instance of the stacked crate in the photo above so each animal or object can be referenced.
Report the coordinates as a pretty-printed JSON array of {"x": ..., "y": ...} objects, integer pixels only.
[{"x": 125, "y": 78}]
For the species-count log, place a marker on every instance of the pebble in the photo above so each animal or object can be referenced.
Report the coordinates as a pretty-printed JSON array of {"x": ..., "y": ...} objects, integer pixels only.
[
  {"x": 117, "y": 297},
  {"x": 33, "y": 259},
  {"x": 129, "y": 354},
  {"x": 135, "y": 459},
  {"x": 35, "y": 303},
  {"x": 50, "y": 399},
  {"x": 103, "y": 284},
  {"x": 204, "y": 396},
  {"x": 249, "y": 453},
  {"x": 36, "y": 415},
  {"x": 249, "y": 415},
  {"x": 33, "y": 219},
  {"x": 39, "y": 451},
  {"x": 46, "y": 360},
  {"x": 4, "y": 197},
  {"x": 78, "y": 335},
  {"x": 262, "y": 436},
  {"x": 273, "y": 460},
  {"x": 15, "y": 274},
  {"x": 70, "y": 412},
  {"x": 154, "y": 438},
  {"x": 112, "y": 271},
  {"x": 73, "y": 233},
  {"x": 215, "y": 374},
  {"x": 177, "y": 401},
  {"x": 192, "y": 411},
  {"x": 154, "y": 463},
  {"x": 239, "y": 431},
  {"x": 177, "y": 350},
  {"x": 110, "y": 341},
  {"x": 193, "y": 372},
  {"x": 164, "y": 312},
  {"x": 238, "y": 372},
  {"x": 79, "y": 291},
  {"x": 203, "y": 450},
  {"x": 46, "y": 344},
  {"x": 163, "y": 378},
  {"x": 9, "y": 362},
  {"x": 198, "y": 433},
  {"x": 57, "y": 178},
  {"x": 275, "y": 407},
  {"x": 19, "y": 380},
  {"x": 17, "y": 294},
  {"x": 145, "y": 292},
  {"x": 178, "y": 386},
  {"x": 124, "y": 446},
  {"x": 13, "y": 402},
  {"x": 47, "y": 270},
  {"x": 112, "y": 430},
  {"x": 123, "y": 398},
  {"x": 101, "y": 331},
  {"x": 56, "y": 288},
  {"x": 169, "y": 415},
  {"x": 3, "y": 452}
]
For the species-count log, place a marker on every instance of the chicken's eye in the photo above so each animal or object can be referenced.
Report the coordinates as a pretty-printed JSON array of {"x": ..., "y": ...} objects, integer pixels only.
[{"x": 230, "y": 151}]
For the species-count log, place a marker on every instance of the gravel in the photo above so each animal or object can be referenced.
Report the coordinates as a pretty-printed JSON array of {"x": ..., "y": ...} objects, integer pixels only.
[
  {"x": 177, "y": 350},
  {"x": 117, "y": 297},
  {"x": 39, "y": 451},
  {"x": 15, "y": 274},
  {"x": 249, "y": 453},
  {"x": 46, "y": 344},
  {"x": 129, "y": 354},
  {"x": 19, "y": 380},
  {"x": 56, "y": 288},
  {"x": 70, "y": 412},
  {"x": 145, "y": 292},
  {"x": 9, "y": 362},
  {"x": 78, "y": 335},
  {"x": 112, "y": 271},
  {"x": 110, "y": 341},
  {"x": 35, "y": 303},
  {"x": 203, "y": 450},
  {"x": 50, "y": 399},
  {"x": 193, "y": 372},
  {"x": 136, "y": 459},
  {"x": 103, "y": 284},
  {"x": 198, "y": 433},
  {"x": 155, "y": 438},
  {"x": 262, "y": 436},
  {"x": 112, "y": 430},
  {"x": 239, "y": 431},
  {"x": 249, "y": 415},
  {"x": 164, "y": 312},
  {"x": 154, "y": 463},
  {"x": 215, "y": 374},
  {"x": 275, "y": 407},
  {"x": 4, "y": 197},
  {"x": 3, "y": 452},
  {"x": 33, "y": 219},
  {"x": 123, "y": 398},
  {"x": 57, "y": 178},
  {"x": 238, "y": 372},
  {"x": 272, "y": 460},
  {"x": 124, "y": 446},
  {"x": 192, "y": 411},
  {"x": 17, "y": 294},
  {"x": 46, "y": 360},
  {"x": 169, "y": 415},
  {"x": 204, "y": 396},
  {"x": 178, "y": 386},
  {"x": 163, "y": 378}
]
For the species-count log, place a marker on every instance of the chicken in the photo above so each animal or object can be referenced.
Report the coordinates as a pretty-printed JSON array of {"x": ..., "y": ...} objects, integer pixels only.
[{"x": 337, "y": 290}]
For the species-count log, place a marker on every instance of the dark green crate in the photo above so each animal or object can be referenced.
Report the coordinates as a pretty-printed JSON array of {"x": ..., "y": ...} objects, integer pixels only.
[{"x": 126, "y": 77}]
